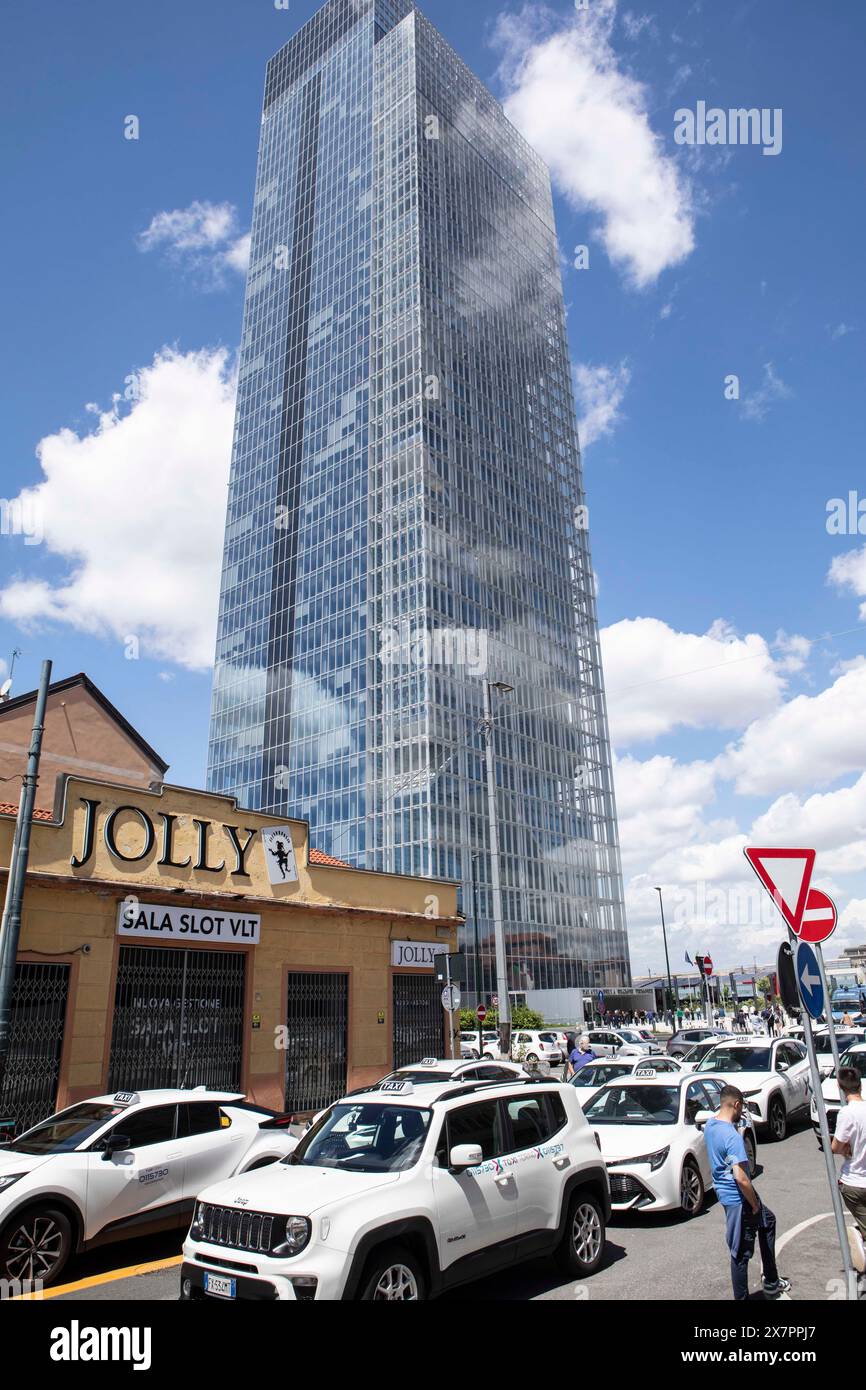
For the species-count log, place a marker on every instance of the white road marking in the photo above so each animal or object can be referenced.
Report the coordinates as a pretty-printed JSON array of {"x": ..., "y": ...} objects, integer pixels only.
[{"x": 797, "y": 1230}]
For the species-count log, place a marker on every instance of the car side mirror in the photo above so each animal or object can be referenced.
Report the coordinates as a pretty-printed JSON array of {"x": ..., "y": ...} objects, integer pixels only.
[
  {"x": 782, "y": 1066},
  {"x": 702, "y": 1117},
  {"x": 115, "y": 1143},
  {"x": 465, "y": 1156}
]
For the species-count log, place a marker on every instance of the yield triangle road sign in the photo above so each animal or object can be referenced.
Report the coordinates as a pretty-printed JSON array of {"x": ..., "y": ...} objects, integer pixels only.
[{"x": 786, "y": 874}]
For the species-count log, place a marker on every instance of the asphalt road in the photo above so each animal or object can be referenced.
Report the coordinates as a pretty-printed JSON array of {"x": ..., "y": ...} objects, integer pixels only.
[{"x": 654, "y": 1258}]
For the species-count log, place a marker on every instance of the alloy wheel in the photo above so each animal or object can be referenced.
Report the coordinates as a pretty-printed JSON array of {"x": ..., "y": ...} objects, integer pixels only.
[
  {"x": 34, "y": 1249},
  {"x": 691, "y": 1189},
  {"x": 396, "y": 1284},
  {"x": 586, "y": 1233}
]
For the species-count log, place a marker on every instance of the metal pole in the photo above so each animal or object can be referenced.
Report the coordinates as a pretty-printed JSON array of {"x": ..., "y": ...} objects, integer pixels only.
[
  {"x": 671, "y": 1003},
  {"x": 448, "y": 1012},
  {"x": 10, "y": 927},
  {"x": 504, "y": 1008},
  {"x": 834, "y": 1042},
  {"x": 832, "y": 1176},
  {"x": 479, "y": 992}
]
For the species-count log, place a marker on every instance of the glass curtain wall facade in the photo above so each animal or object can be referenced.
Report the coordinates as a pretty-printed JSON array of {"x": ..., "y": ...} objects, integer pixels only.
[{"x": 406, "y": 517}]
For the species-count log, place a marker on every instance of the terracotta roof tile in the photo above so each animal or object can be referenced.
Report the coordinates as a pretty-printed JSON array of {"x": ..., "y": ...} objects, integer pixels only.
[
  {"x": 318, "y": 856},
  {"x": 9, "y": 808}
]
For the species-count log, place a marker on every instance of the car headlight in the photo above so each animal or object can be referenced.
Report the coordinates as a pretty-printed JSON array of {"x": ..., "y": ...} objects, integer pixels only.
[
  {"x": 746, "y": 1094},
  {"x": 298, "y": 1230},
  {"x": 655, "y": 1160},
  {"x": 8, "y": 1179},
  {"x": 196, "y": 1228}
]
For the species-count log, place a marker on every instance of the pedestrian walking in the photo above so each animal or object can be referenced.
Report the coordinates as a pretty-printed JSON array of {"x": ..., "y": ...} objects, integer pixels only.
[
  {"x": 746, "y": 1217},
  {"x": 850, "y": 1141},
  {"x": 582, "y": 1054}
]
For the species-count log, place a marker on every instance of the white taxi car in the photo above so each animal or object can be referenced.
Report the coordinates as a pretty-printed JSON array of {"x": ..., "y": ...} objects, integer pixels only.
[
  {"x": 401, "y": 1193},
  {"x": 593, "y": 1075},
  {"x": 477, "y": 1045},
  {"x": 433, "y": 1071},
  {"x": 855, "y": 1057},
  {"x": 651, "y": 1134},
  {"x": 622, "y": 1042},
  {"x": 772, "y": 1073},
  {"x": 536, "y": 1045},
  {"x": 123, "y": 1165}
]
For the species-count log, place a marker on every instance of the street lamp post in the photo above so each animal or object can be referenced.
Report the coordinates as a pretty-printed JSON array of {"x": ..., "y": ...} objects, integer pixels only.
[
  {"x": 504, "y": 1007},
  {"x": 667, "y": 958},
  {"x": 479, "y": 991}
]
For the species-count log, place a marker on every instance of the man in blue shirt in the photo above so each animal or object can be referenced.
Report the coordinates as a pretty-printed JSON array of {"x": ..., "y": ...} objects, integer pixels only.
[
  {"x": 582, "y": 1054},
  {"x": 745, "y": 1214}
]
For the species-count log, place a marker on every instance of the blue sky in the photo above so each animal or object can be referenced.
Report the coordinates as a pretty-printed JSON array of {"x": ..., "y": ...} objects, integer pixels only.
[{"x": 708, "y": 516}]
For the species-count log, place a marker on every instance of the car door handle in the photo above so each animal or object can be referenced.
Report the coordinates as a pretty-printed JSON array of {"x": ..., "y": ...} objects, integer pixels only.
[
  {"x": 561, "y": 1163},
  {"x": 503, "y": 1182}
]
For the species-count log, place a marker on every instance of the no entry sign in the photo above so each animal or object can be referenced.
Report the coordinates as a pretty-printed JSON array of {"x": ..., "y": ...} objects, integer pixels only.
[
  {"x": 481, "y": 1013},
  {"x": 819, "y": 918}
]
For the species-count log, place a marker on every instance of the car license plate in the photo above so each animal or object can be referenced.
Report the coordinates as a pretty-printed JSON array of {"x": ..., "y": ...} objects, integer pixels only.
[{"x": 219, "y": 1285}]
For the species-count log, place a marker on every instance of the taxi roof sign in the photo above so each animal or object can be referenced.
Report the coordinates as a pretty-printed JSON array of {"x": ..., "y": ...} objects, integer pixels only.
[
  {"x": 397, "y": 1088},
  {"x": 127, "y": 1098},
  {"x": 428, "y": 1062}
]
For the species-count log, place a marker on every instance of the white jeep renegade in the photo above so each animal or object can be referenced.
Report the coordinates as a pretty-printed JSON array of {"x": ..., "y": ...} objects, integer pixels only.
[{"x": 401, "y": 1193}]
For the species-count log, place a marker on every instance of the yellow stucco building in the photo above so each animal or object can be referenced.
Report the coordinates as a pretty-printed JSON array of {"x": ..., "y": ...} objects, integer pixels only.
[{"x": 171, "y": 938}]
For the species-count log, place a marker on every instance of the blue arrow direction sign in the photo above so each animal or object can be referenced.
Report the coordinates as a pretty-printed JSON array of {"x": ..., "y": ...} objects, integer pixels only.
[{"x": 809, "y": 980}]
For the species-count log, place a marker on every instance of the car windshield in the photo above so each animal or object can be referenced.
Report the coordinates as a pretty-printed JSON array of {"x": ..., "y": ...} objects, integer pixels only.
[
  {"x": 65, "y": 1131},
  {"x": 699, "y": 1050},
  {"x": 547, "y": 1037},
  {"x": 365, "y": 1138},
  {"x": 599, "y": 1076},
  {"x": 630, "y": 1035},
  {"x": 823, "y": 1043},
  {"x": 634, "y": 1105},
  {"x": 736, "y": 1059},
  {"x": 857, "y": 1060}
]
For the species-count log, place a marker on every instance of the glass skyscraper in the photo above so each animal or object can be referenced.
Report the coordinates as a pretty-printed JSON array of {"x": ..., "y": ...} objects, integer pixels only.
[{"x": 406, "y": 517}]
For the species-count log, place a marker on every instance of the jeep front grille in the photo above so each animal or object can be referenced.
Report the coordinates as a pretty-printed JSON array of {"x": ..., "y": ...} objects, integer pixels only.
[{"x": 238, "y": 1230}]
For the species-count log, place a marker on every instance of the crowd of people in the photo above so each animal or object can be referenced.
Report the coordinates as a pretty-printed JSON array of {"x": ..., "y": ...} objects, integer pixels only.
[{"x": 743, "y": 1019}]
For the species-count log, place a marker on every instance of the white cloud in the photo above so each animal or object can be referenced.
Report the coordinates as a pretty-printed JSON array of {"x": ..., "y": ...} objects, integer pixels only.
[
  {"x": 848, "y": 571},
  {"x": 203, "y": 238},
  {"x": 808, "y": 742},
  {"x": 772, "y": 389},
  {"x": 841, "y": 330},
  {"x": 833, "y": 822},
  {"x": 635, "y": 24},
  {"x": 136, "y": 510},
  {"x": 792, "y": 651},
  {"x": 660, "y": 805},
  {"x": 666, "y": 311},
  {"x": 659, "y": 679},
  {"x": 852, "y": 918},
  {"x": 589, "y": 120},
  {"x": 600, "y": 393}
]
